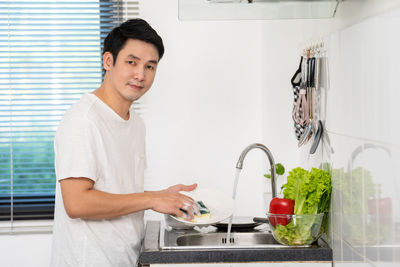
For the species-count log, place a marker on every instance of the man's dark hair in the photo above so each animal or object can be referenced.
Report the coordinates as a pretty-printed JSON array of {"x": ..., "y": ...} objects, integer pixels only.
[{"x": 137, "y": 29}]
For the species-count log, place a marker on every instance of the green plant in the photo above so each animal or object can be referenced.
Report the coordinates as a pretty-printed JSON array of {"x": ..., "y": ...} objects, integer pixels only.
[{"x": 279, "y": 170}]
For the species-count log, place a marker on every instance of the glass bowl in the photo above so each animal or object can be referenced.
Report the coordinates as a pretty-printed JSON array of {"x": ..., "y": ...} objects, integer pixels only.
[{"x": 295, "y": 230}]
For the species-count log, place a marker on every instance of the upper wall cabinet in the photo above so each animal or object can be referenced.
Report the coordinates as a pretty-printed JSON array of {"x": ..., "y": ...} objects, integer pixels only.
[{"x": 256, "y": 9}]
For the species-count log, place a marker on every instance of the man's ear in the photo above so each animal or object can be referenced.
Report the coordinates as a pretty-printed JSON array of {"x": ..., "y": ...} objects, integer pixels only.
[{"x": 107, "y": 60}]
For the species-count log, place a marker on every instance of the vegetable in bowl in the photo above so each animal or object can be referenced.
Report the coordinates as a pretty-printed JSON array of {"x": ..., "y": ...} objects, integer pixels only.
[
  {"x": 302, "y": 230},
  {"x": 280, "y": 206},
  {"x": 310, "y": 191}
]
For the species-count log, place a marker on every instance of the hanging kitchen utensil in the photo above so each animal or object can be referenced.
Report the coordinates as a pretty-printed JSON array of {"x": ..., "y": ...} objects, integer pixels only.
[
  {"x": 316, "y": 80},
  {"x": 310, "y": 128},
  {"x": 317, "y": 137},
  {"x": 317, "y": 76},
  {"x": 312, "y": 99},
  {"x": 300, "y": 111},
  {"x": 296, "y": 79},
  {"x": 316, "y": 101}
]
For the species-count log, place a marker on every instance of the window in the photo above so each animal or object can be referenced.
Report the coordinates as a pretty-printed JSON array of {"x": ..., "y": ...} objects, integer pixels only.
[{"x": 50, "y": 54}]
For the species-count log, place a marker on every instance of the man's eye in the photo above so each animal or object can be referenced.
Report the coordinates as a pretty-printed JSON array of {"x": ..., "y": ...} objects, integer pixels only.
[
  {"x": 150, "y": 67},
  {"x": 131, "y": 62}
]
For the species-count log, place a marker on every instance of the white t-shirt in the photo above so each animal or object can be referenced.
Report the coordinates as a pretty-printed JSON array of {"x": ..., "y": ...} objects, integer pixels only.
[{"x": 93, "y": 141}]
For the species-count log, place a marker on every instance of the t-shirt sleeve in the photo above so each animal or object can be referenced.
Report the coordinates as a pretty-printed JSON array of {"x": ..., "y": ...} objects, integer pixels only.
[{"x": 75, "y": 149}]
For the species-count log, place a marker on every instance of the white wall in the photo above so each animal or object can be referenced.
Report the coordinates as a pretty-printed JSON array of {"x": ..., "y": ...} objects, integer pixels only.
[
  {"x": 205, "y": 106},
  {"x": 18, "y": 250},
  {"x": 363, "y": 127}
]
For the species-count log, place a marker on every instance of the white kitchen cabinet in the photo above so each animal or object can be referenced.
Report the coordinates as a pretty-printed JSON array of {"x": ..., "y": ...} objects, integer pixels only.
[{"x": 257, "y": 9}]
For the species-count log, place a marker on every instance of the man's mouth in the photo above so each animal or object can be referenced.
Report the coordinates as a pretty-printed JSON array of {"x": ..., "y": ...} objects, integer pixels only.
[{"x": 136, "y": 86}]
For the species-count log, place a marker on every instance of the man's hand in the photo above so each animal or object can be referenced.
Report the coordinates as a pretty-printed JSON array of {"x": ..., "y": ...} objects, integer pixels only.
[{"x": 170, "y": 201}]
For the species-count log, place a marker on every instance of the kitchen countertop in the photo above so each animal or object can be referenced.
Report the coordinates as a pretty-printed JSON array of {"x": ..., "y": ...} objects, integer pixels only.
[{"x": 152, "y": 254}]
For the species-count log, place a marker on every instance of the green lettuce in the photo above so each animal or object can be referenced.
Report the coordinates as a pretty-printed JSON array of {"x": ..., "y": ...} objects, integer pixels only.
[{"x": 311, "y": 191}]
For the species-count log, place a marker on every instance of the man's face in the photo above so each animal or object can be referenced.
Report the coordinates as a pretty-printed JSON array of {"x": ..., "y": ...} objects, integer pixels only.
[{"x": 134, "y": 70}]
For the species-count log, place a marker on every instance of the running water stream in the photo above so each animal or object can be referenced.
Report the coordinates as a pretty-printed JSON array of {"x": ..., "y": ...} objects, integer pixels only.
[
  {"x": 239, "y": 167},
  {"x": 228, "y": 234}
]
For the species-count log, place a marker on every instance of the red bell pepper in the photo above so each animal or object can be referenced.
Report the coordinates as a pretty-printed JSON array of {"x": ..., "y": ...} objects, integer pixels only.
[{"x": 280, "y": 206}]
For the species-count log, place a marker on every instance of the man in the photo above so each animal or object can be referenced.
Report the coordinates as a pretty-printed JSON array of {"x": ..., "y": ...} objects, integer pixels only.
[{"x": 100, "y": 160}]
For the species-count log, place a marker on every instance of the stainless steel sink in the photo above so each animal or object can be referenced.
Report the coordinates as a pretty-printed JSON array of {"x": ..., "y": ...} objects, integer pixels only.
[
  {"x": 193, "y": 240},
  {"x": 220, "y": 239}
]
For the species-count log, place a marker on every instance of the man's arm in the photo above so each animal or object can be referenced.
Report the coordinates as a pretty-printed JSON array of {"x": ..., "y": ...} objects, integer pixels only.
[{"x": 82, "y": 201}]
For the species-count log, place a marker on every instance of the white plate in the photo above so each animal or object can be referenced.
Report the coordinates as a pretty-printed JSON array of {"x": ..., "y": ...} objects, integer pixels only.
[{"x": 220, "y": 205}]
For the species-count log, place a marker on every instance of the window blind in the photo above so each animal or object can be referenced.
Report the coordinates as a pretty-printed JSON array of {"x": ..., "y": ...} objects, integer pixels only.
[{"x": 50, "y": 54}]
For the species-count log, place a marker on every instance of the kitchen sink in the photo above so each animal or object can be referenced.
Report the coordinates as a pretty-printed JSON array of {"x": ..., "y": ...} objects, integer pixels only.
[
  {"x": 184, "y": 240},
  {"x": 220, "y": 239}
]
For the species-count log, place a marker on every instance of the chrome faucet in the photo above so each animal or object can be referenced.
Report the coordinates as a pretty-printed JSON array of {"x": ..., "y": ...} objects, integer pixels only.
[{"x": 239, "y": 164}]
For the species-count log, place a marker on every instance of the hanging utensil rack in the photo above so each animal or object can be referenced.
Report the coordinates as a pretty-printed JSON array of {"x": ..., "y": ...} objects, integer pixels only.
[{"x": 307, "y": 96}]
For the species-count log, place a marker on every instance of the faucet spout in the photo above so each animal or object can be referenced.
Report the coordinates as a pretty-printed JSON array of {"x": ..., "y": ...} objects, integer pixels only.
[{"x": 239, "y": 164}]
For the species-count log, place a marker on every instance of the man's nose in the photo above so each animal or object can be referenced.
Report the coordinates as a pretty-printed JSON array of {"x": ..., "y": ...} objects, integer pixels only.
[{"x": 139, "y": 73}]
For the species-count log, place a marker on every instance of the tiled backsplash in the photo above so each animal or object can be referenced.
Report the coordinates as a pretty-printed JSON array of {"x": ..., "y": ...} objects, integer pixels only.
[
  {"x": 363, "y": 124},
  {"x": 365, "y": 202}
]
